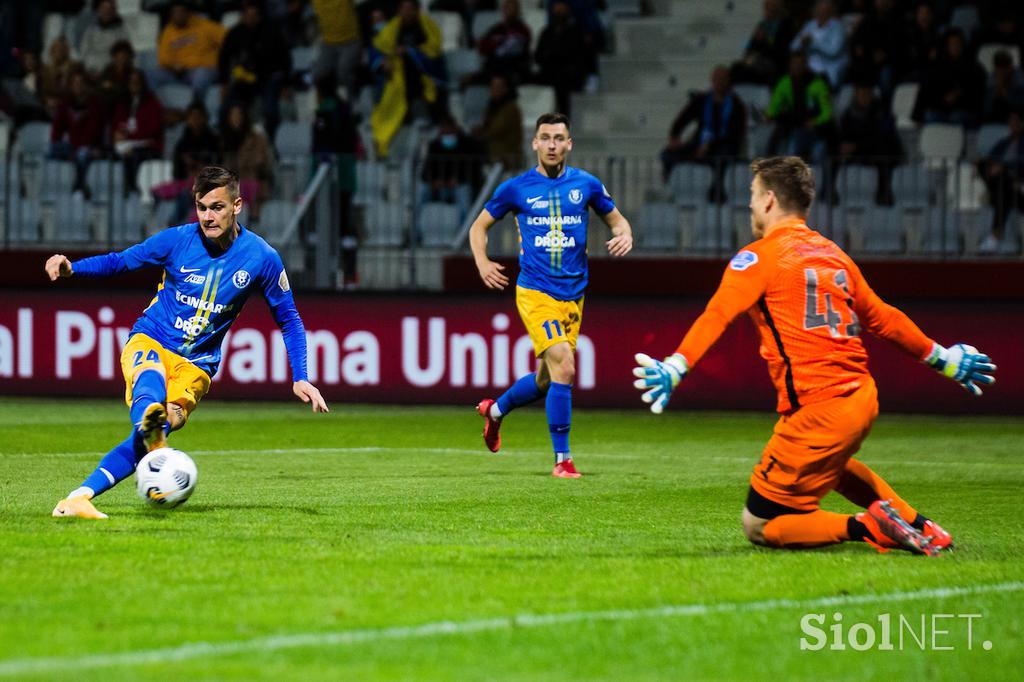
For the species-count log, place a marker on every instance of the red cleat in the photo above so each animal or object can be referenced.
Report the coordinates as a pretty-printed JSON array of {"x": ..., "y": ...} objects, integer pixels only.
[
  {"x": 940, "y": 539},
  {"x": 492, "y": 439},
  {"x": 565, "y": 470},
  {"x": 888, "y": 530}
]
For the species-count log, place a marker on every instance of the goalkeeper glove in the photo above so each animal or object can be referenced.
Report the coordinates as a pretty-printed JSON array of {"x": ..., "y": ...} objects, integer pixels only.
[
  {"x": 659, "y": 378},
  {"x": 964, "y": 365}
]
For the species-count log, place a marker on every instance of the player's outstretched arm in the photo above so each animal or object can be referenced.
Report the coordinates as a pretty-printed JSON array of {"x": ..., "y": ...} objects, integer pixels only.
[
  {"x": 621, "y": 242},
  {"x": 658, "y": 378},
  {"x": 58, "y": 266},
  {"x": 310, "y": 394},
  {"x": 491, "y": 273},
  {"x": 963, "y": 364}
]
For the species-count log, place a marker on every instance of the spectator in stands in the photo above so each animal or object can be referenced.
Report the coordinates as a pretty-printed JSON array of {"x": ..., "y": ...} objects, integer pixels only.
[
  {"x": 953, "y": 89},
  {"x": 407, "y": 52},
  {"x": 247, "y": 152},
  {"x": 188, "y": 50},
  {"x": 452, "y": 170},
  {"x": 113, "y": 79},
  {"x": 823, "y": 38},
  {"x": 1001, "y": 22},
  {"x": 505, "y": 46},
  {"x": 767, "y": 51},
  {"x": 801, "y": 108},
  {"x": 19, "y": 96},
  {"x": 465, "y": 9},
  {"x": 923, "y": 43},
  {"x": 335, "y": 141},
  {"x": 586, "y": 16},
  {"x": 198, "y": 146},
  {"x": 78, "y": 126},
  {"x": 1005, "y": 91},
  {"x": 562, "y": 55},
  {"x": 878, "y": 48},
  {"x": 298, "y": 23},
  {"x": 1002, "y": 170},
  {"x": 255, "y": 62},
  {"x": 502, "y": 127},
  {"x": 137, "y": 126},
  {"x": 867, "y": 135},
  {"x": 340, "y": 50},
  {"x": 721, "y": 118},
  {"x": 55, "y": 74},
  {"x": 106, "y": 30}
]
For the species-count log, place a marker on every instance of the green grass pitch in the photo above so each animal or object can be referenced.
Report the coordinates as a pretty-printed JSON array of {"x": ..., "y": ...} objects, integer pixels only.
[{"x": 387, "y": 543}]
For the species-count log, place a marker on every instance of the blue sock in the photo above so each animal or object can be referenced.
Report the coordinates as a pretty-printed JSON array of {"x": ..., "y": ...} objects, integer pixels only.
[
  {"x": 150, "y": 387},
  {"x": 523, "y": 392},
  {"x": 116, "y": 465},
  {"x": 559, "y": 409}
]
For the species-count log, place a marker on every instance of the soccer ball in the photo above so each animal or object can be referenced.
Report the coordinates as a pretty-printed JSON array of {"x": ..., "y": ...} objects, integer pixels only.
[{"x": 165, "y": 478}]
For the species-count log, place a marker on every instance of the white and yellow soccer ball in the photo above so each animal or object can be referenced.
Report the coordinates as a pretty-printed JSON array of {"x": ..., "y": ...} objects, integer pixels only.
[{"x": 165, "y": 478}]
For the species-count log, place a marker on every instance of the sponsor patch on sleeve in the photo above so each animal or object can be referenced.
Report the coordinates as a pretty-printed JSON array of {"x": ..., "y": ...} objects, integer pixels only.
[
  {"x": 743, "y": 260},
  {"x": 282, "y": 281}
]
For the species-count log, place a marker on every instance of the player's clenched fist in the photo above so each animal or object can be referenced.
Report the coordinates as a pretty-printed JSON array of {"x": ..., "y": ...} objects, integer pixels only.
[
  {"x": 58, "y": 266},
  {"x": 492, "y": 275}
]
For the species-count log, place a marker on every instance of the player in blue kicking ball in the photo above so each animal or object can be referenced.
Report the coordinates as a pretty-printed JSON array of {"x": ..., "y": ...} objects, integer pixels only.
[
  {"x": 551, "y": 203},
  {"x": 210, "y": 269}
]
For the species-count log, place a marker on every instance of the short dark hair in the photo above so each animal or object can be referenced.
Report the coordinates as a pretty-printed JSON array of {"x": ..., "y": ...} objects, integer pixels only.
[
  {"x": 789, "y": 178},
  {"x": 551, "y": 118},
  {"x": 210, "y": 178}
]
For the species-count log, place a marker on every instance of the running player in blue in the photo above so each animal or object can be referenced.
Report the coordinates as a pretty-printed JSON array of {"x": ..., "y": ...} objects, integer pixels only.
[
  {"x": 551, "y": 203},
  {"x": 210, "y": 269}
]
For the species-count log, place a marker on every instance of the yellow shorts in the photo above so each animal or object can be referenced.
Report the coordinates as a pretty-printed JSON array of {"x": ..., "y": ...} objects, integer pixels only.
[
  {"x": 186, "y": 383},
  {"x": 548, "y": 320}
]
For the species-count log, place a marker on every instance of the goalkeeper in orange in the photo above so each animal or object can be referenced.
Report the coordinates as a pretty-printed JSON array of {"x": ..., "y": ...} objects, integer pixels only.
[{"x": 809, "y": 302}]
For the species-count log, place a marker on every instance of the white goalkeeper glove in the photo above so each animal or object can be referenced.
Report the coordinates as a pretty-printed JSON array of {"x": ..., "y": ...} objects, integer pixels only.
[
  {"x": 964, "y": 365},
  {"x": 658, "y": 378}
]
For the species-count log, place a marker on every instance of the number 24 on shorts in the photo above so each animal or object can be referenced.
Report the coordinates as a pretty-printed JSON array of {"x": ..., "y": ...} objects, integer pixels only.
[{"x": 151, "y": 356}]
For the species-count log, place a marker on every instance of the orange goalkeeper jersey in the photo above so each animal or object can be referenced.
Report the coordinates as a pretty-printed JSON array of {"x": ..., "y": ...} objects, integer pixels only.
[{"x": 809, "y": 302}]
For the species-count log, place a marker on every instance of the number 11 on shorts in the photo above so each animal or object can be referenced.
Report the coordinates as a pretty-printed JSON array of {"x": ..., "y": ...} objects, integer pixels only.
[{"x": 552, "y": 324}]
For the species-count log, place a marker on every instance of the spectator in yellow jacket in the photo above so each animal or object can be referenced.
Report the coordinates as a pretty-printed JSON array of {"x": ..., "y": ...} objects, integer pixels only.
[{"x": 188, "y": 50}]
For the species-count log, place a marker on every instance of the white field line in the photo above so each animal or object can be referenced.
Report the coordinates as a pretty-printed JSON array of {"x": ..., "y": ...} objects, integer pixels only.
[
  {"x": 193, "y": 650},
  {"x": 753, "y": 459}
]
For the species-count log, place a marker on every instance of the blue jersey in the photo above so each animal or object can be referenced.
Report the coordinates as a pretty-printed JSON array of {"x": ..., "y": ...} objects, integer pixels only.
[
  {"x": 552, "y": 215},
  {"x": 203, "y": 291}
]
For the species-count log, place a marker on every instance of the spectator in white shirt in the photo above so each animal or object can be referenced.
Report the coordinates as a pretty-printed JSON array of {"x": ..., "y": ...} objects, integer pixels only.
[{"x": 823, "y": 39}]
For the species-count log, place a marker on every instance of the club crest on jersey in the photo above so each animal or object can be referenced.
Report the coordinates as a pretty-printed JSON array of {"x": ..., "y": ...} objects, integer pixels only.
[
  {"x": 575, "y": 195},
  {"x": 743, "y": 260},
  {"x": 241, "y": 279}
]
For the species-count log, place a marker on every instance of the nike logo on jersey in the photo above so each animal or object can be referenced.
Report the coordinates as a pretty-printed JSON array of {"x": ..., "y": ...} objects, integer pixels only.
[
  {"x": 533, "y": 199},
  {"x": 185, "y": 270}
]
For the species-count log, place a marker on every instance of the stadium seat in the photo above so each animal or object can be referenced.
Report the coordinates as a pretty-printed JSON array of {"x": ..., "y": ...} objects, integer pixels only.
[
  {"x": 756, "y": 98},
  {"x": 536, "y": 19},
  {"x": 626, "y": 8},
  {"x": 53, "y": 28},
  {"x": 658, "y": 226},
  {"x": 988, "y": 135},
  {"x": 903, "y": 99},
  {"x": 105, "y": 179},
  {"x": 230, "y": 19},
  {"x": 450, "y": 24},
  {"x": 33, "y": 138},
  {"x": 293, "y": 139},
  {"x": 856, "y": 185},
  {"x": 163, "y": 215},
  {"x": 5, "y": 136},
  {"x": 689, "y": 184},
  {"x": 58, "y": 178},
  {"x": 143, "y": 31},
  {"x": 941, "y": 141},
  {"x": 965, "y": 18},
  {"x": 406, "y": 143},
  {"x": 535, "y": 100},
  {"x": 938, "y": 234},
  {"x": 384, "y": 224},
  {"x": 370, "y": 182},
  {"x": 147, "y": 60},
  {"x": 5, "y": 197},
  {"x": 987, "y": 51},
  {"x": 437, "y": 223},
  {"x": 126, "y": 7},
  {"x": 303, "y": 59},
  {"x": 152, "y": 172},
  {"x": 482, "y": 22},
  {"x": 25, "y": 215},
  {"x": 172, "y": 135},
  {"x": 175, "y": 95},
  {"x": 474, "y": 105},
  {"x": 757, "y": 139},
  {"x": 881, "y": 231},
  {"x": 462, "y": 62},
  {"x": 274, "y": 218},
  {"x": 70, "y": 220},
  {"x": 211, "y": 100},
  {"x": 129, "y": 218}
]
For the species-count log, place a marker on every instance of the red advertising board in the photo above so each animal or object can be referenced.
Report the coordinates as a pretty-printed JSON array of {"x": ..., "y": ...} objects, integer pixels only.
[{"x": 458, "y": 349}]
